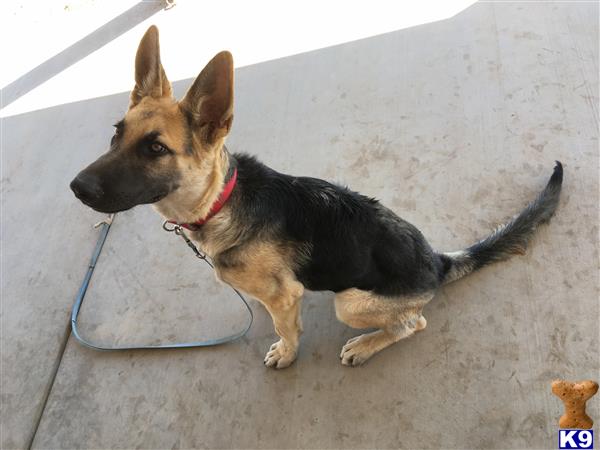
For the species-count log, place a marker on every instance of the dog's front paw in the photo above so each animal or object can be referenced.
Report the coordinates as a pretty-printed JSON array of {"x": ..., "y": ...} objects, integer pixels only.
[
  {"x": 357, "y": 350},
  {"x": 280, "y": 356}
]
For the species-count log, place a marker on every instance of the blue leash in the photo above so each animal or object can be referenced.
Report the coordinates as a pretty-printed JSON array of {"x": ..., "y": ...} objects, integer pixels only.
[{"x": 86, "y": 282}]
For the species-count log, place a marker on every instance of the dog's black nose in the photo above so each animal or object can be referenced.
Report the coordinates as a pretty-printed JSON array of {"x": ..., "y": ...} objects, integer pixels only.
[{"x": 87, "y": 187}]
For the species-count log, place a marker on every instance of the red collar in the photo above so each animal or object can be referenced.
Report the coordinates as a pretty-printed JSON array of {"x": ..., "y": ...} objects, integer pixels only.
[{"x": 216, "y": 206}]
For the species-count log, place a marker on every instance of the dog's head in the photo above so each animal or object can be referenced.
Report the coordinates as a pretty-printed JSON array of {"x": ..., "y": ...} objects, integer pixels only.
[{"x": 163, "y": 150}]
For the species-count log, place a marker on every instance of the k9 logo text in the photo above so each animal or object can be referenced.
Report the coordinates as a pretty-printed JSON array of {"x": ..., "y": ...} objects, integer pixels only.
[{"x": 569, "y": 439}]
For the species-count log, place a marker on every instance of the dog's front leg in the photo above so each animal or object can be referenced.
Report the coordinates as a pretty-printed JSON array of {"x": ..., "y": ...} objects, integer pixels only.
[
  {"x": 288, "y": 326},
  {"x": 281, "y": 293}
]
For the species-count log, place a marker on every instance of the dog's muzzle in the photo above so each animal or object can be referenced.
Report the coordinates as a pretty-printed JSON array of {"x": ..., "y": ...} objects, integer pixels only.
[{"x": 87, "y": 188}]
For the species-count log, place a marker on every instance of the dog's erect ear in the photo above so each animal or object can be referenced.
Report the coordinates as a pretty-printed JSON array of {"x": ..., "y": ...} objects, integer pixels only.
[
  {"x": 150, "y": 78},
  {"x": 210, "y": 99}
]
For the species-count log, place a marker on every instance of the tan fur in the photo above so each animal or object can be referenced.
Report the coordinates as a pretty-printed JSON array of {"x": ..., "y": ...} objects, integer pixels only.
[
  {"x": 396, "y": 318},
  {"x": 202, "y": 172},
  {"x": 257, "y": 265},
  {"x": 202, "y": 180},
  {"x": 209, "y": 104},
  {"x": 218, "y": 235},
  {"x": 211, "y": 95},
  {"x": 263, "y": 270},
  {"x": 156, "y": 114},
  {"x": 150, "y": 77}
]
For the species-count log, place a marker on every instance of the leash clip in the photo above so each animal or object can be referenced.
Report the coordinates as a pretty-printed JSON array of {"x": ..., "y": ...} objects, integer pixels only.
[
  {"x": 178, "y": 230},
  {"x": 170, "y": 226}
]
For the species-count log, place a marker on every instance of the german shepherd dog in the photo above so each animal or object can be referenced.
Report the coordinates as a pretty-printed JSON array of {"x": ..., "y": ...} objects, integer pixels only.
[{"x": 277, "y": 234}]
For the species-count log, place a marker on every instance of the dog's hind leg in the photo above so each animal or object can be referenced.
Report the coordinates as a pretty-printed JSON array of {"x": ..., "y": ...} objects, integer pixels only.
[{"x": 395, "y": 317}]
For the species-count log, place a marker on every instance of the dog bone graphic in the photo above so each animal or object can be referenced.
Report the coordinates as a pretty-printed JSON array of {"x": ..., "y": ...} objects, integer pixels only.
[{"x": 574, "y": 396}]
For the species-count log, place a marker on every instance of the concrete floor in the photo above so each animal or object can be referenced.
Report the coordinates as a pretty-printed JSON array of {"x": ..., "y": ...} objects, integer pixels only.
[{"x": 455, "y": 125}]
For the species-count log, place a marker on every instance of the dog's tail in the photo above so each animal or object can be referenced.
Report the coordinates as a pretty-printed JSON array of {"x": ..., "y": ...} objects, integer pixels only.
[{"x": 508, "y": 239}]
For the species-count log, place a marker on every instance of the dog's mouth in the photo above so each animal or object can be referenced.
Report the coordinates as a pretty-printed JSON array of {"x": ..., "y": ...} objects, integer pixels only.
[
  {"x": 111, "y": 191},
  {"x": 120, "y": 206}
]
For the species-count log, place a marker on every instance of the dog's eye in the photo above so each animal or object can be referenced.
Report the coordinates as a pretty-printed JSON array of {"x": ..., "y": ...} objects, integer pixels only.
[{"x": 158, "y": 148}]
